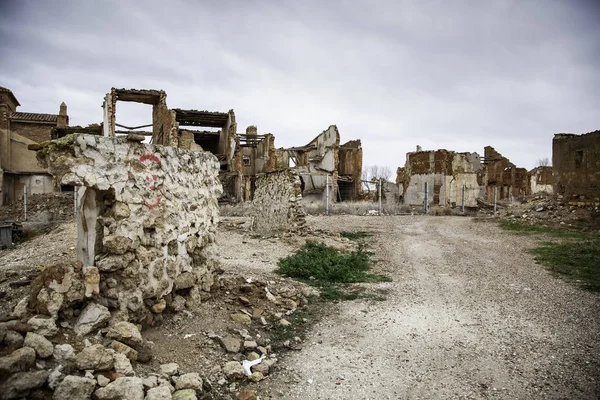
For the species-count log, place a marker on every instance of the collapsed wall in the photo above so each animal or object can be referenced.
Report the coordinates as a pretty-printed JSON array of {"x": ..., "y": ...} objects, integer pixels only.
[
  {"x": 277, "y": 203},
  {"x": 146, "y": 220}
]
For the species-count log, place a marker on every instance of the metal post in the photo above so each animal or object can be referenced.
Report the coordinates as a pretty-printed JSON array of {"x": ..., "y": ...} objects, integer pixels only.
[
  {"x": 426, "y": 198},
  {"x": 327, "y": 195},
  {"x": 463, "y": 199},
  {"x": 495, "y": 195},
  {"x": 380, "y": 196},
  {"x": 25, "y": 201},
  {"x": 75, "y": 194}
]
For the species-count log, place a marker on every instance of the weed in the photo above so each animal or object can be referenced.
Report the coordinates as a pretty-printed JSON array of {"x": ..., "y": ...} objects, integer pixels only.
[
  {"x": 574, "y": 255},
  {"x": 356, "y": 235},
  {"x": 329, "y": 269}
]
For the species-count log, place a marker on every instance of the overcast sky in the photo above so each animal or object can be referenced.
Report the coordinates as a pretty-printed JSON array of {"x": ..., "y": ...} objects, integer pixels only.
[{"x": 447, "y": 74}]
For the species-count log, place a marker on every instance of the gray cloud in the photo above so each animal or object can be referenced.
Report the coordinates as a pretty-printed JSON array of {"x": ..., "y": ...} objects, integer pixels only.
[{"x": 458, "y": 75}]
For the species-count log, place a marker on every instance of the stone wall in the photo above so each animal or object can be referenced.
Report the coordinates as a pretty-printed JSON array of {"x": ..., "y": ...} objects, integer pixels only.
[
  {"x": 277, "y": 203},
  {"x": 576, "y": 166},
  {"x": 38, "y": 132},
  {"x": 540, "y": 180},
  {"x": 146, "y": 223}
]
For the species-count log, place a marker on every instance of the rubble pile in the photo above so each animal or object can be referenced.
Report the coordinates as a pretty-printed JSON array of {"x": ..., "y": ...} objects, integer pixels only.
[
  {"x": 43, "y": 207},
  {"x": 552, "y": 211}
]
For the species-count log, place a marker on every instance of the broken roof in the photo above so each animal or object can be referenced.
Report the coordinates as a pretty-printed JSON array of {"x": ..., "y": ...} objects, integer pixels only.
[
  {"x": 6, "y": 90},
  {"x": 37, "y": 117},
  {"x": 145, "y": 96},
  {"x": 210, "y": 119}
]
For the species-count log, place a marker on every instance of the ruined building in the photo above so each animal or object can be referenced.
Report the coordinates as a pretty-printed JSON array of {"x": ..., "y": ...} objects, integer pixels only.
[
  {"x": 503, "y": 176},
  {"x": 18, "y": 166},
  {"x": 576, "y": 166},
  {"x": 540, "y": 180},
  {"x": 445, "y": 173}
]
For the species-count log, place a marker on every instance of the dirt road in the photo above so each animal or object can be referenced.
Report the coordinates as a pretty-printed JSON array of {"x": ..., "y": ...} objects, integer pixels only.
[{"x": 469, "y": 315}]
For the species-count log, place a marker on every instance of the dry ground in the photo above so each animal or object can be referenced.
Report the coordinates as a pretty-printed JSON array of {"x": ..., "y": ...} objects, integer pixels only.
[{"x": 467, "y": 315}]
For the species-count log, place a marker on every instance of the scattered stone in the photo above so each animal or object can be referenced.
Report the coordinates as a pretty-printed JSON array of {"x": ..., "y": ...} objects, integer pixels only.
[
  {"x": 102, "y": 380},
  {"x": 250, "y": 344},
  {"x": 145, "y": 352},
  {"x": 256, "y": 377},
  {"x": 242, "y": 318},
  {"x": 246, "y": 288},
  {"x": 19, "y": 360},
  {"x": 42, "y": 346},
  {"x": 263, "y": 321},
  {"x": 185, "y": 394},
  {"x": 92, "y": 317},
  {"x": 119, "y": 347},
  {"x": 95, "y": 357},
  {"x": 55, "y": 377},
  {"x": 122, "y": 364},
  {"x": 244, "y": 301},
  {"x": 247, "y": 394},
  {"x": 178, "y": 303},
  {"x": 150, "y": 381},
  {"x": 189, "y": 381},
  {"x": 159, "y": 307},
  {"x": 128, "y": 388},
  {"x": 169, "y": 369},
  {"x": 20, "y": 384},
  {"x": 262, "y": 350},
  {"x": 20, "y": 309},
  {"x": 284, "y": 322},
  {"x": 289, "y": 304},
  {"x": 159, "y": 393},
  {"x": 125, "y": 332},
  {"x": 233, "y": 370},
  {"x": 43, "y": 326},
  {"x": 64, "y": 353},
  {"x": 231, "y": 344},
  {"x": 13, "y": 339},
  {"x": 257, "y": 312},
  {"x": 252, "y": 356},
  {"x": 263, "y": 368},
  {"x": 75, "y": 388}
]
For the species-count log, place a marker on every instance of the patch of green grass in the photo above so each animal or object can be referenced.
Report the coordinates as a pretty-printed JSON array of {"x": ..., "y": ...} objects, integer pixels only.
[
  {"x": 574, "y": 255},
  {"x": 577, "y": 260},
  {"x": 356, "y": 235},
  {"x": 329, "y": 269},
  {"x": 523, "y": 229}
]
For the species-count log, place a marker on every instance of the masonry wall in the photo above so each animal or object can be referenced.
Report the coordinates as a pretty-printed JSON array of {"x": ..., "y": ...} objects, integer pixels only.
[
  {"x": 277, "y": 203},
  {"x": 38, "y": 132},
  {"x": 445, "y": 172},
  {"x": 540, "y": 180},
  {"x": 147, "y": 218},
  {"x": 576, "y": 166}
]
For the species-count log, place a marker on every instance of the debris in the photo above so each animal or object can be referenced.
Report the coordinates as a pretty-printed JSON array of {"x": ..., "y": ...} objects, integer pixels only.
[{"x": 246, "y": 364}]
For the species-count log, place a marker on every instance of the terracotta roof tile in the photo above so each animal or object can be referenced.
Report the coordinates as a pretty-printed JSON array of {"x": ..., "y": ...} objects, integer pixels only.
[{"x": 25, "y": 116}]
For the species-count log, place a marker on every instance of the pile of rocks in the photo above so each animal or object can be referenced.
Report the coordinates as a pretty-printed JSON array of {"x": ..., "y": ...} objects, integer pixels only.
[{"x": 551, "y": 210}]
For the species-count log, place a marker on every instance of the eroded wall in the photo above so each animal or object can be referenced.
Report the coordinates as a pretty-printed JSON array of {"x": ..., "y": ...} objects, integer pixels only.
[
  {"x": 277, "y": 203},
  {"x": 445, "y": 172},
  {"x": 576, "y": 166},
  {"x": 540, "y": 180},
  {"x": 147, "y": 218}
]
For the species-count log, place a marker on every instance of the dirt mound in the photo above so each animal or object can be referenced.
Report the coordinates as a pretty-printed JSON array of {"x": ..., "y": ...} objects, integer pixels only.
[{"x": 46, "y": 207}]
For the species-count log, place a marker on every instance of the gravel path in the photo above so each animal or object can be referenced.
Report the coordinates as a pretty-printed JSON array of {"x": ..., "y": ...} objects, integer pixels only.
[{"x": 469, "y": 315}]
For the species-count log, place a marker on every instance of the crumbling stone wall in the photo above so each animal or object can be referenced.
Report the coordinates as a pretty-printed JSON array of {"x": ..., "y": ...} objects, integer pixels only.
[
  {"x": 146, "y": 222},
  {"x": 576, "y": 166},
  {"x": 277, "y": 203}
]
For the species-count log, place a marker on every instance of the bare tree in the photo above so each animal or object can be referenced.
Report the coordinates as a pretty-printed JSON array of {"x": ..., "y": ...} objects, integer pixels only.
[
  {"x": 374, "y": 172},
  {"x": 543, "y": 162}
]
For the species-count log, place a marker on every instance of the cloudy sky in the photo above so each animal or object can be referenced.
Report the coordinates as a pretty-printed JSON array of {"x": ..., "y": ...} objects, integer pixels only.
[{"x": 448, "y": 74}]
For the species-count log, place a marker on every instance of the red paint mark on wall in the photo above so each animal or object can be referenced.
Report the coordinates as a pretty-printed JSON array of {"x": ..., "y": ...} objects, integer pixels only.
[
  {"x": 152, "y": 180},
  {"x": 150, "y": 157}
]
